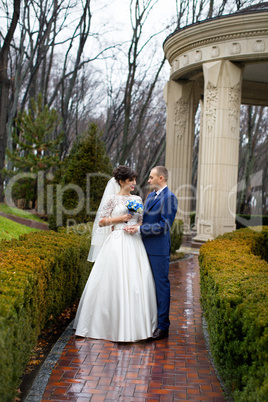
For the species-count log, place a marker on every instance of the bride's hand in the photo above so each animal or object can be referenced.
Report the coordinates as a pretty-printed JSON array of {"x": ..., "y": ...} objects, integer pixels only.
[
  {"x": 131, "y": 229},
  {"x": 126, "y": 217}
]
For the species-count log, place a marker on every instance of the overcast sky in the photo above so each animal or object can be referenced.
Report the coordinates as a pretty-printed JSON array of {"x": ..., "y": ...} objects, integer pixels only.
[{"x": 112, "y": 19}]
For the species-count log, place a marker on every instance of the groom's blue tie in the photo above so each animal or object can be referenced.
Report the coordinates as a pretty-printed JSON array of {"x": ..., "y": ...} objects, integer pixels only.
[{"x": 152, "y": 198}]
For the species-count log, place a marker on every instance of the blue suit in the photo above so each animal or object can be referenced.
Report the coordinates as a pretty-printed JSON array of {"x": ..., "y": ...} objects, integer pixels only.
[{"x": 158, "y": 217}]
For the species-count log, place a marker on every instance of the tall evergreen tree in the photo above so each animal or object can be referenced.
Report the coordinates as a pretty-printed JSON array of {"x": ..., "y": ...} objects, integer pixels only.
[
  {"x": 36, "y": 147},
  {"x": 84, "y": 173}
]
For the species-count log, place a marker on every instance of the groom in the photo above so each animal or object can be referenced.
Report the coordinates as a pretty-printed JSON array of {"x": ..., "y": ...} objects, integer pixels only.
[{"x": 159, "y": 212}]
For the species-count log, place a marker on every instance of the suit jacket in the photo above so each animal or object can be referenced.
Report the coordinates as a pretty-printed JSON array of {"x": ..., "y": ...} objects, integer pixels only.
[{"x": 158, "y": 217}]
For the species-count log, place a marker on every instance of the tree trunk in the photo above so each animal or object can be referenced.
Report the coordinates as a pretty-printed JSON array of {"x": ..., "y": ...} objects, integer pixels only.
[
  {"x": 4, "y": 90},
  {"x": 245, "y": 207}
]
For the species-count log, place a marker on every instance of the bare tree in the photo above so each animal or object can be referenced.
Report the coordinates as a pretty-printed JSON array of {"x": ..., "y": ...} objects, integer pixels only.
[
  {"x": 192, "y": 11},
  {"x": 253, "y": 155},
  {"x": 48, "y": 57},
  {"x": 4, "y": 88},
  {"x": 133, "y": 117}
]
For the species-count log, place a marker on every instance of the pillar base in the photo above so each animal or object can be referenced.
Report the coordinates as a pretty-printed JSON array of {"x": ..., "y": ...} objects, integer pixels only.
[
  {"x": 202, "y": 238},
  {"x": 187, "y": 239},
  {"x": 197, "y": 243},
  {"x": 187, "y": 232}
]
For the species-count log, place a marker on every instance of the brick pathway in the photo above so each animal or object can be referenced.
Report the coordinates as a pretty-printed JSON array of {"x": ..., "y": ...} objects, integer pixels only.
[{"x": 173, "y": 369}]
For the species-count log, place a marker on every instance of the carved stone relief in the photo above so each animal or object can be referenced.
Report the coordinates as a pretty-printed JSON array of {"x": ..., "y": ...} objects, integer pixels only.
[
  {"x": 235, "y": 48},
  {"x": 224, "y": 38},
  {"x": 198, "y": 55},
  {"x": 234, "y": 107},
  {"x": 259, "y": 46},
  {"x": 185, "y": 59},
  {"x": 215, "y": 51},
  {"x": 176, "y": 64},
  {"x": 181, "y": 117},
  {"x": 211, "y": 105}
]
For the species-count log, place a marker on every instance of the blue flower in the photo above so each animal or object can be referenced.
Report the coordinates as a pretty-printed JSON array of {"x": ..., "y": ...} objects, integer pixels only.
[{"x": 134, "y": 206}]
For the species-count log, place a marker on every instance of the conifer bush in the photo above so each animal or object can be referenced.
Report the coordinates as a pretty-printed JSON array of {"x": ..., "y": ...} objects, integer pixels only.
[
  {"x": 41, "y": 274},
  {"x": 88, "y": 168},
  {"x": 176, "y": 235},
  {"x": 234, "y": 296}
]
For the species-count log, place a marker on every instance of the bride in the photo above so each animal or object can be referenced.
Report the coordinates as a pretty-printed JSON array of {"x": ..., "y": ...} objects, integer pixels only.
[{"x": 119, "y": 301}]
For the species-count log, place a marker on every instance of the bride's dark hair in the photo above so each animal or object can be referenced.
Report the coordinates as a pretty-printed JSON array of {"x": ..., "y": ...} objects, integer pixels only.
[{"x": 123, "y": 173}]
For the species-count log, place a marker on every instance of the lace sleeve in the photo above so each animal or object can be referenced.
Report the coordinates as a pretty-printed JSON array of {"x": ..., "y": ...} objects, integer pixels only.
[{"x": 107, "y": 207}]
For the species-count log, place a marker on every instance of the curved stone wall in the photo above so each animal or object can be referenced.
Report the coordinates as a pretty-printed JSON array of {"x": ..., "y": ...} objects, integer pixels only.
[{"x": 236, "y": 38}]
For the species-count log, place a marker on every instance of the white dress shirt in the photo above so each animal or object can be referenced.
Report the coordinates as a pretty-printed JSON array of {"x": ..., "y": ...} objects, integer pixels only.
[{"x": 159, "y": 191}]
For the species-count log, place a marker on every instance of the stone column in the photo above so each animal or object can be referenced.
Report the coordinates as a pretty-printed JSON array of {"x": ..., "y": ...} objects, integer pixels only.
[
  {"x": 218, "y": 166},
  {"x": 197, "y": 190},
  {"x": 181, "y": 100}
]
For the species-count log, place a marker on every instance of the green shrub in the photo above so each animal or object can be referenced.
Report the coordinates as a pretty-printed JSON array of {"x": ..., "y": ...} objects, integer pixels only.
[
  {"x": 243, "y": 220},
  {"x": 40, "y": 275},
  {"x": 256, "y": 238},
  {"x": 88, "y": 169},
  {"x": 192, "y": 218},
  {"x": 176, "y": 235},
  {"x": 234, "y": 295}
]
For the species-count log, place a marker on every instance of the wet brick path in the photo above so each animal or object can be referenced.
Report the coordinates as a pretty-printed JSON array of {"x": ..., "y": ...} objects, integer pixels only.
[{"x": 173, "y": 369}]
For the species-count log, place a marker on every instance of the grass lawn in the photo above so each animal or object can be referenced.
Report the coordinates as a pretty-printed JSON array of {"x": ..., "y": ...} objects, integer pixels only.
[
  {"x": 18, "y": 212},
  {"x": 10, "y": 229}
]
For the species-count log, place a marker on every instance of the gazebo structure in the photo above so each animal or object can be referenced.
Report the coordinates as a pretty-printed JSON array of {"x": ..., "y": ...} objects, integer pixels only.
[{"x": 219, "y": 63}]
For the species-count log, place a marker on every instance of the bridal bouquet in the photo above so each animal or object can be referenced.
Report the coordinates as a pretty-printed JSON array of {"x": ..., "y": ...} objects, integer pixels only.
[{"x": 134, "y": 206}]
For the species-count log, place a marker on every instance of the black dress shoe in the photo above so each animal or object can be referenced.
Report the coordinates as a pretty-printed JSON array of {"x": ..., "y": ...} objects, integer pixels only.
[{"x": 159, "y": 334}]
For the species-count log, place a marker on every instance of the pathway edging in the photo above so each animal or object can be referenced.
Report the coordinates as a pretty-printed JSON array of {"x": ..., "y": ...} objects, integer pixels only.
[
  {"x": 40, "y": 382},
  {"x": 207, "y": 340}
]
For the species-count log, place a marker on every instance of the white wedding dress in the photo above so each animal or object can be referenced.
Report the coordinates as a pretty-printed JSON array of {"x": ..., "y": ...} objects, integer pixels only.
[{"x": 119, "y": 300}]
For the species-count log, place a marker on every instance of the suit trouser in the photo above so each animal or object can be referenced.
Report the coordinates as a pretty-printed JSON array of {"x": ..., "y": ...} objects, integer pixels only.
[{"x": 160, "y": 269}]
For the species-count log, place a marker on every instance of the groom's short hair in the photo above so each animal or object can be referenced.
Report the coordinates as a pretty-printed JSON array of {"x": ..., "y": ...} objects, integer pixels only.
[{"x": 162, "y": 171}]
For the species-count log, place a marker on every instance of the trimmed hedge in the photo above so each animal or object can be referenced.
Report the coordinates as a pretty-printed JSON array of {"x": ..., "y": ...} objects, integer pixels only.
[
  {"x": 40, "y": 275},
  {"x": 234, "y": 296}
]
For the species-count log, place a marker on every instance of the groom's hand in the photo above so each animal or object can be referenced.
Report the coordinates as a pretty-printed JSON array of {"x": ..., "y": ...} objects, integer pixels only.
[{"x": 131, "y": 229}]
